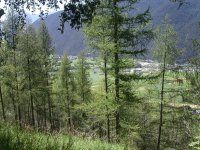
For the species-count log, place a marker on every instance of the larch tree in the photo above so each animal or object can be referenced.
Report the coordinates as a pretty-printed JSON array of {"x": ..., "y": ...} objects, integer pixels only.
[
  {"x": 124, "y": 30},
  {"x": 99, "y": 41},
  {"x": 82, "y": 78},
  {"x": 10, "y": 28},
  {"x": 66, "y": 78},
  {"x": 29, "y": 64},
  {"x": 3, "y": 58},
  {"x": 165, "y": 51},
  {"x": 83, "y": 87},
  {"x": 46, "y": 49}
]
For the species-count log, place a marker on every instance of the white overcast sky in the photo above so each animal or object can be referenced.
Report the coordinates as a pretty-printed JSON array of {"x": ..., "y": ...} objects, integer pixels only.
[{"x": 33, "y": 16}]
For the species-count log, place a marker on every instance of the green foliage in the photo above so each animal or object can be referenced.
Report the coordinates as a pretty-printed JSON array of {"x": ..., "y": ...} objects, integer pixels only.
[
  {"x": 13, "y": 138},
  {"x": 47, "y": 93},
  {"x": 65, "y": 90},
  {"x": 66, "y": 75},
  {"x": 119, "y": 34},
  {"x": 82, "y": 77},
  {"x": 166, "y": 41},
  {"x": 195, "y": 145}
]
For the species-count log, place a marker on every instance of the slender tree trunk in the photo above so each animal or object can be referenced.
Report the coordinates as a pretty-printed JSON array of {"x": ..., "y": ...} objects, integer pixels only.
[
  {"x": 2, "y": 104},
  {"x": 45, "y": 117},
  {"x": 17, "y": 89},
  {"x": 116, "y": 61},
  {"x": 82, "y": 89},
  {"x": 106, "y": 92},
  {"x": 50, "y": 112},
  {"x": 117, "y": 94},
  {"x": 25, "y": 115},
  {"x": 38, "y": 117},
  {"x": 19, "y": 115},
  {"x": 14, "y": 108},
  {"x": 49, "y": 100},
  {"x": 29, "y": 81},
  {"x": 31, "y": 96},
  {"x": 69, "y": 115},
  {"x": 108, "y": 129},
  {"x": 161, "y": 102},
  {"x": 28, "y": 114},
  {"x": 16, "y": 76},
  {"x": 82, "y": 80},
  {"x": 48, "y": 95},
  {"x": 68, "y": 108}
]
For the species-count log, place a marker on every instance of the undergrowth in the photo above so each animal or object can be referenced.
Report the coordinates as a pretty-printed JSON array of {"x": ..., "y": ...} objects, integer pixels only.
[{"x": 14, "y": 138}]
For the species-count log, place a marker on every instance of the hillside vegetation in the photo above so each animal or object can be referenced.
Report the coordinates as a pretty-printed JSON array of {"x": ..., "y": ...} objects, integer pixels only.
[{"x": 14, "y": 138}]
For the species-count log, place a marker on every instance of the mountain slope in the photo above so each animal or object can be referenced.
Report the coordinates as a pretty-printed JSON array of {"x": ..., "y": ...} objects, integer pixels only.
[
  {"x": 70, "y": 41},
  {"x": 185, "y": 21}
]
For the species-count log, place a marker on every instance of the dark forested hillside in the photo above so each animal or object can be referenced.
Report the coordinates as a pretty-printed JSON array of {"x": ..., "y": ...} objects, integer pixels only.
[
  {"x": 71, "y": 40},
  {"x": 185, "y": 21}
]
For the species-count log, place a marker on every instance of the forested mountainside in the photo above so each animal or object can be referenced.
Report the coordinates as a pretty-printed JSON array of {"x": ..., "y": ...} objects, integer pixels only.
[
  {"x": 71, "y": 40},
  {"x": 185, "y": 21}
]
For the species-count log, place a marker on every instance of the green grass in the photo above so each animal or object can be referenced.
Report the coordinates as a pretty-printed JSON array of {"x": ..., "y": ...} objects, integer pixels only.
[{"x": 13, "y": 138}]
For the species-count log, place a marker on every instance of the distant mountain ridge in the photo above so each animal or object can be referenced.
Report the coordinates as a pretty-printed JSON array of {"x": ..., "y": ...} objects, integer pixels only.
[
  {"x": 185, "y": 21},
  {"x": 71, "y": 40}
]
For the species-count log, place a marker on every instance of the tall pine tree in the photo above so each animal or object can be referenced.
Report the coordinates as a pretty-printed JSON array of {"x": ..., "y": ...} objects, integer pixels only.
[
  {"x": 46, "y": 49},
  {"x": 125, "y": 35}
]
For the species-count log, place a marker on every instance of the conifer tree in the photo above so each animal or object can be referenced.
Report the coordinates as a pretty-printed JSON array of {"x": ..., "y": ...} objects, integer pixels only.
[
  {"x": 99, "y": 40},
  {"x": 67, "y": 85},
  {"x": 2, "y": 64},
  {"x": 127, "y": 34},
  {"x": 29, "y": 63},
  {"x": 82, "y": 78},
  {"x": 10, "y": 27},
  {"x": 83, "y": 89},
  {"x": 165, "y": 50},
  {"x": 46, "y": 49}
]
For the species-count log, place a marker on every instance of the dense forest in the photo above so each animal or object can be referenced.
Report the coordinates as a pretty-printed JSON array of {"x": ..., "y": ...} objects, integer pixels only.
[{"x": 112, "y": 99}]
